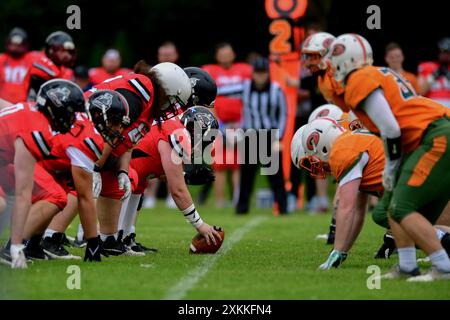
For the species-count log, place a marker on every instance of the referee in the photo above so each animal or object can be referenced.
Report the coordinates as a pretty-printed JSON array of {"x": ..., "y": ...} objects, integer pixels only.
[{"x": 265, "y": 108}]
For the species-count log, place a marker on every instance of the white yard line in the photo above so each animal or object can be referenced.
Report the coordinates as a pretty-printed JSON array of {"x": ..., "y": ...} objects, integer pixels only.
[{"x": 178, "y": 291}]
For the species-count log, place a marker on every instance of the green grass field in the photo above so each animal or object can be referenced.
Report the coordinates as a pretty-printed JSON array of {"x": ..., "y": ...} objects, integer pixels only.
[{"x": 267, "y": 258}]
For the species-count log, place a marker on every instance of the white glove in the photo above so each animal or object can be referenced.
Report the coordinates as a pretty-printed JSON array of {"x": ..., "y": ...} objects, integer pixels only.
[
  {"x": 124, "y": 184},
  {"x": 97, "y": 184},
  {"x": 18, "y": 260},
  {"x": 390, "y": 173}
]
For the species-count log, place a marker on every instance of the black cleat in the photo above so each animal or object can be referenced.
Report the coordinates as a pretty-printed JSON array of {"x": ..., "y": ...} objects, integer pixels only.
[
  {"x": 387, "y": 248},
  {"x": 130, "y": 241},
  {"x": 54, "y": 248},
  {"x": 33, "y": 249},
  {"x": 114, "y": 247}
]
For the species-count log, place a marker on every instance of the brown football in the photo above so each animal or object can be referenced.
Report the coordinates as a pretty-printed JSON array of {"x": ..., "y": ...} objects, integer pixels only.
[{"x": 199, "y": 245}]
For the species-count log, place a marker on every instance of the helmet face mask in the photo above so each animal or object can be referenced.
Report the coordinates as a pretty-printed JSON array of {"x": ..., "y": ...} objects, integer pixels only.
[
  {"x": 109, "y": 112},
  {"x": 316, "y": 167},
  {"x": 315, "y": 50}
]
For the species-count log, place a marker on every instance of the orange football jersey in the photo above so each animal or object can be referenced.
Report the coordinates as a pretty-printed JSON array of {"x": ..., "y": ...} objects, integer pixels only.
[
  {"x": 347, "y": 150},
  {"x": 331, "y": 90},
  {"x": 413, "y": 112}
]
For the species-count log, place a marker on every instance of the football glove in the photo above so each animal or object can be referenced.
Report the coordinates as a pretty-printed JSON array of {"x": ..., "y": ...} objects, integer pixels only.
[
  {"x": 94, "y": 249},
  {"x": 97, "y": 184},
  {"x": 335, "y": 259},
  {"x": 198, "y": 175},
  {"x": 124, "y": 184}
]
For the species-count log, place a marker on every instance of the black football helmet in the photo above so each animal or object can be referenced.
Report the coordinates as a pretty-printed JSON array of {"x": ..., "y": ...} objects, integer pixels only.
[
  {"x": 204, "y": 88},
  {"x": 17, "y": 42},
  {"x": 202, "y": 127},
  {"x": 58, "y": 100},
  {"x": 58, "y": 41},
  {"x": 109, "y": 109}
]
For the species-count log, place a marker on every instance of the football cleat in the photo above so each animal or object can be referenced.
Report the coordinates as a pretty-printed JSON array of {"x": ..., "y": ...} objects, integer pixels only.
[
  {"x": 397, "y": 273},
  {"x": 34, "y": 250},
  {"x": 114, "y": 247},
  {"x": 432, "y": 274},
  {"x": 387, "y": 248},
  {"x": 54, "y": 248}
]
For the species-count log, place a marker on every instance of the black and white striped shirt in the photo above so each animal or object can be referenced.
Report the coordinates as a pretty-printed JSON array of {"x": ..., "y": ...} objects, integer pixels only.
[{"x": 264, "y": 109}]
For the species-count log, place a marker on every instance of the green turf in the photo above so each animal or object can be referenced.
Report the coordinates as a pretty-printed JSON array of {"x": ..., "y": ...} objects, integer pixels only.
[{"x": 277, "y": 259}]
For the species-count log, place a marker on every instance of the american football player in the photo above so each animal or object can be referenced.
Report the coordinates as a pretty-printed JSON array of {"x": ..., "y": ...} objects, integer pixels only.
[
  {"x": 415, "y": 132},
  {"x": 59, "y": 57},
  {"x": 26, "y": 131}
]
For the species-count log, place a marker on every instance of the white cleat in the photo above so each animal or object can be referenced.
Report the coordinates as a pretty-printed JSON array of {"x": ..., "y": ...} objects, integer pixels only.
[
  {"x": 397, "y": 273},
  {"x": 431, "y": 275}
]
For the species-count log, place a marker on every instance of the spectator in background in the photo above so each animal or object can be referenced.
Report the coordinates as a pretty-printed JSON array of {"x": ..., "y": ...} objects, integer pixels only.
[
  {"x": 14, "y": 65},
  {"x": 434, "y": 77},
  {"x": 168, "y": 52},
  {"x": 229, "y": 77},
  {"x": 110, "y": 68},
  {"x": 81, "y": 77},
  {"x": 394, "y": 59},
  {"x": 265, "y": 108}
]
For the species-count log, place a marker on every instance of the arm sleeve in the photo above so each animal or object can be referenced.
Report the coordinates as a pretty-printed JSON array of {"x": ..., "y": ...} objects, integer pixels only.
[
  {"x": 379, "y": 111},
  {"x": 357, "y": 171},
  {"x": 79, "y": 159}
]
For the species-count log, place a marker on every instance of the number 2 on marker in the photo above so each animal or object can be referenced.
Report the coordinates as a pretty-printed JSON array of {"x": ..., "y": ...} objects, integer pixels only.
[{"x": 282, "y": 31}]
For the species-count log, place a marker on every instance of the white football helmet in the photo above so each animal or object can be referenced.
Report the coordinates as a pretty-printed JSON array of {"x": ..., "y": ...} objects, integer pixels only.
[
  {"x": 327, "y": 110},
  {"x": 297, "y": 150},
  {"x": 318, "y": 43},
  {"x": 175, "y": 83},
  {"x": 349, "y": 52},
  {"x": 319, "y": 136}
]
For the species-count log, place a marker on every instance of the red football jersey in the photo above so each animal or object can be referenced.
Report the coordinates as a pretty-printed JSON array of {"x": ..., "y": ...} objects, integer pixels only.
[
  {"x": 25, "y": 121},
  {"x": 83, "y": 136},
  {"x": 98, "y": 75},
  {"x": 45, "y": 69},
  {"x": 143, "y": 87},
  {"x": 146, "y": 158},
  {"x": 228, "y": 104},
  {"x": 12, "y": 75}
]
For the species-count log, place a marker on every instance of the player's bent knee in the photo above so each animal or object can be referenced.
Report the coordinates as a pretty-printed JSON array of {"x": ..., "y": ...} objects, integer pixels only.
[{"x": 380, "y": 217}]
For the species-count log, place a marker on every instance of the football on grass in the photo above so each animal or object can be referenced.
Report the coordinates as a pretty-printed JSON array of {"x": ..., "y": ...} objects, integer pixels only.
[{"x": 199, "y": 245}]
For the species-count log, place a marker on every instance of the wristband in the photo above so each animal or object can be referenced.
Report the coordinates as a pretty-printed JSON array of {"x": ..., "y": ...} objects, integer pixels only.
[
  {"x": 122, "y": 171},
  {"x": 394, "y": 148},
  {"x": 192, "y": 216},
  {"x": 96, "y": 168}
]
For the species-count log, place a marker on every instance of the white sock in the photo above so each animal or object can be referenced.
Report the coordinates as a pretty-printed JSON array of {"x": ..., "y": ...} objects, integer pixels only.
[
  {"x": 128, "y": 213},
  {"x": 103, "y": 236},
  {"x": 407, "y": 259},
  {"x": 440, "y": 260},
  {"x": 440, "y": 234},
  {"x": 49, "y": 233},
  {"x": 80, "y": 232},
  {"x": 133, "y": 229}
]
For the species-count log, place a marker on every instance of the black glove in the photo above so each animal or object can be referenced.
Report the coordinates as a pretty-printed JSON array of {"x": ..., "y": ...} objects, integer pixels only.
[
  {"x": 94, "y": 249},
  {"x": 198, "y": 175}
]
